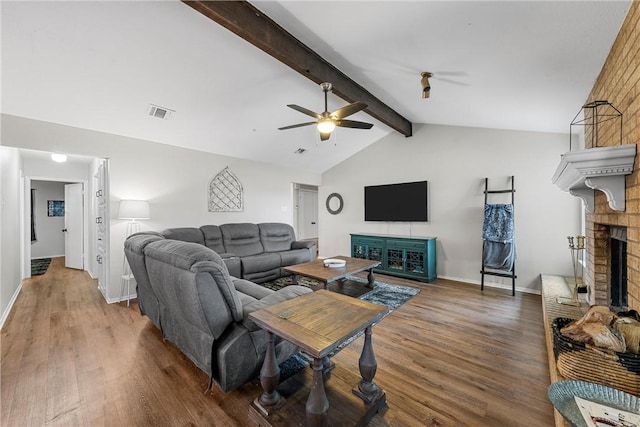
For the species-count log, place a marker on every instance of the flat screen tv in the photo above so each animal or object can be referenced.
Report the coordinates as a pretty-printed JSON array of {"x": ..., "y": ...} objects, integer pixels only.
[{"x": 396, "y": 202}]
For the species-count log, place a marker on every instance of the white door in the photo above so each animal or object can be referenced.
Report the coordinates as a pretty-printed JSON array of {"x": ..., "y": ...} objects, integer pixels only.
[
  {"x": 73, "y": 220},
  {"x": 308, "y": 210}
]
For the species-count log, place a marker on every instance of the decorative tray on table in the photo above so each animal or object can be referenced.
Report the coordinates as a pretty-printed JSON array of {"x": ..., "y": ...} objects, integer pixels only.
[
  {"x": 563, "y": 395},
  {"x": 334, "y": 262}
]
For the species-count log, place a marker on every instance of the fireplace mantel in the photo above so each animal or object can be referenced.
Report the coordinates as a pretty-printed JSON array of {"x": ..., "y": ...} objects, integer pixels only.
[{"x": 581, "y": 172}]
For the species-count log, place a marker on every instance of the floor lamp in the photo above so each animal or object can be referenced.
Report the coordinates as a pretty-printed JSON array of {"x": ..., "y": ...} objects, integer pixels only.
[{"x": 132, "y": 210}]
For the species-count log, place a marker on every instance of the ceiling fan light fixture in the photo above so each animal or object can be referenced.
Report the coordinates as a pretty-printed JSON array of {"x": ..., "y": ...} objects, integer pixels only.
[
  {"x": 326, "y": 122},
  {"x": 326, "y": 125},
  {"x": 425, "y": 85}
]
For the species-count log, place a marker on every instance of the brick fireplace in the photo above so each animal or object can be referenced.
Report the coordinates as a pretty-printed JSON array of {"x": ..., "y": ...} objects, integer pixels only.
[
  {"x": 610, "y": 266},
  {"x": 619, "y": 83}
]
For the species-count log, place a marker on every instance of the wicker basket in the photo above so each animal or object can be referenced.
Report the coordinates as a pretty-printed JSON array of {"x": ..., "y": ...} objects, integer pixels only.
[{"x": 580, "y": 361}]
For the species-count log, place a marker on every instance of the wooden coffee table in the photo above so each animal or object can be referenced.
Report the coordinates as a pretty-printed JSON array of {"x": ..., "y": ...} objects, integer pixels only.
[
  {"x": 317, "y": 270},
  {"x": 317, "y": 323}
]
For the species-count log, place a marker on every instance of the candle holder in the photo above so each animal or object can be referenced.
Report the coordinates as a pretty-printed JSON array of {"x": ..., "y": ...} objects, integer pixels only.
[{"x": 575, "y": 246}]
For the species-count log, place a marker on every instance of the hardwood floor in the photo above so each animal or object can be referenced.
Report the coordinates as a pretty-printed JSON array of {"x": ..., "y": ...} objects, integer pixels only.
[{"x": 451, "y": 356}]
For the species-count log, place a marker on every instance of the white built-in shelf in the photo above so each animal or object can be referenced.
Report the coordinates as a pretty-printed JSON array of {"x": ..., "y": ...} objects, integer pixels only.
[{"x": 581, "y": 172}]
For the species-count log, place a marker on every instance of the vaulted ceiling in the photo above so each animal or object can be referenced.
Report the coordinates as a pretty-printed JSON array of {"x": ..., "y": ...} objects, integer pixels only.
[{"x": 99, "y": 65}]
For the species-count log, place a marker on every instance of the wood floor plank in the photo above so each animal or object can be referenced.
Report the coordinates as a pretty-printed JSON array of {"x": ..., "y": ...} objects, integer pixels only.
[{"x": 451, "y": 356}]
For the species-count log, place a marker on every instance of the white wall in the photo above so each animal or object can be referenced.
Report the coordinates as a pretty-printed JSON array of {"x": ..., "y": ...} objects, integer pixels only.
[
  {"x": 455, "y": 161},
  {"x": 174, "y": 180},
  {"x": 10, "y": 236},
  {"x": 49, "y": 236}
]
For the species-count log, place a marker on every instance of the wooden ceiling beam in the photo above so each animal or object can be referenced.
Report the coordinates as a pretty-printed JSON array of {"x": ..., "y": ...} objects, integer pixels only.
[{"x": 251, "y": 24}]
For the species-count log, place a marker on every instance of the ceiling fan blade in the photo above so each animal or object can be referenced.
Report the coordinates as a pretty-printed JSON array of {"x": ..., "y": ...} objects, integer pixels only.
[
  {"x": 305, "y": 111},
  {"x": 348, "y": 110},
  {"x": 353, "y": 124},
  {"x": 299, "y": 125},
  {"x": 324, "y": 136}
]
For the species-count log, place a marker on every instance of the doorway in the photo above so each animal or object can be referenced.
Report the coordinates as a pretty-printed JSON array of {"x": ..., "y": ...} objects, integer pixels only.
[
  {"x": 306, "y": 207},
  {"x": 57, "y": 214},
  {"x": 87, "y": 179}
]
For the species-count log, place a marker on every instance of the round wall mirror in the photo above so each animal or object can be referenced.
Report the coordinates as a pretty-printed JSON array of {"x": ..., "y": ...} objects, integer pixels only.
[{"x": 335, "y": 203}]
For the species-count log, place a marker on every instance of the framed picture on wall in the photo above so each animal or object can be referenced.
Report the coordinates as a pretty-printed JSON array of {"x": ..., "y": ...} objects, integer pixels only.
[{"x": 55, "y": 207}]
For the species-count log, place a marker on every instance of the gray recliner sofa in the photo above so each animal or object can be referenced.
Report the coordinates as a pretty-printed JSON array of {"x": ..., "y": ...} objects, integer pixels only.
[
  {"x": 186, "y": 290},
  {"x": 256, "y": 252}
]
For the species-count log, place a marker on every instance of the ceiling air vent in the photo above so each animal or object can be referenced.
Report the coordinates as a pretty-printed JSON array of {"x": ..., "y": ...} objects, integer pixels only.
[
  {"x": 160, "y": 112},
  {"x": 300, "y": 151}
]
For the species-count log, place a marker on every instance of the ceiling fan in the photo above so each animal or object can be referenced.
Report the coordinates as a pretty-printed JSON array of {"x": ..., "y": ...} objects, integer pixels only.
[{"x": 326, "y": 121}]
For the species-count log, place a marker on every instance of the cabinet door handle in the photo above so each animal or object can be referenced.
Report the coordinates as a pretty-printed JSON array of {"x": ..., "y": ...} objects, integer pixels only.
[
  {"x": 99, "y": 259},
  {"x": 64, "y": 230}
]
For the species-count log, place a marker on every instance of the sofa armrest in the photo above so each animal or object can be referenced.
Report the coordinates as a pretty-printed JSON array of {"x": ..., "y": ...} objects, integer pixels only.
[
  {"x": 252, "y": 289},
  {"x": 303, "y": 244},
  {"x": 279, "y": 296},
  {"x": 233, "y": 263}
]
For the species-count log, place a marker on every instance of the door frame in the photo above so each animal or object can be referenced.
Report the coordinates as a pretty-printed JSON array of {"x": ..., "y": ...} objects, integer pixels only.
[
  {"x": 26, "y": 218},
  {"x": 297, "y": 187}
]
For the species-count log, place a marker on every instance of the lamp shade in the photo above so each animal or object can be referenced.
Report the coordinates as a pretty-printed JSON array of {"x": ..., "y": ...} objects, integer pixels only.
[{"x": 133, "y": 209}]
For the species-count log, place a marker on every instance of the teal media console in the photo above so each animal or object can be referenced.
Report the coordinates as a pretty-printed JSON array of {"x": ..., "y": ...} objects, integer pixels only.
[{"x": 410, "y": 257}]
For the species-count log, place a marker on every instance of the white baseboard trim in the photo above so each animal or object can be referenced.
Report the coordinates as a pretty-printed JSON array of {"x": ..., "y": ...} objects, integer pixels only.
[
  {"x": 118, "y": 300},
  {"x": 491, "y": 284},
  {"x": 10, "y": 306}
]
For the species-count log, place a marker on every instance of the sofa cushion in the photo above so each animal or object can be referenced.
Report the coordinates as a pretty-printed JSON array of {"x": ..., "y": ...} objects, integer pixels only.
[
  {"x": 184, "y": 234},
  {"x": 293, "y": 257},
  {"x": 276, "y": 236},
  {"x": 261, "y": 262},
  {"x": 242, "y": 239},
  {"x": 213, "y": 238}
]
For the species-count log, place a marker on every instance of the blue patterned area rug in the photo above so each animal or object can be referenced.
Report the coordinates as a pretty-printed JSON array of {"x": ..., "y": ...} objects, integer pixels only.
[
  {"x": 39, "y": 266},
  {"x": 391, "y": 296}
]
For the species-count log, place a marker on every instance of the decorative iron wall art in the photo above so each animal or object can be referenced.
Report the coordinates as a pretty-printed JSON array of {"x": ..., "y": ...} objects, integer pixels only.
[{"x": 225, "y": 193}]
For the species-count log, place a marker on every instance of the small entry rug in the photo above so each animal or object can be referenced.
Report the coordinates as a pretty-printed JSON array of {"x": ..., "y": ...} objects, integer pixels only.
[
  {"x": 39, "y": 266},
  {"x": 392, "y": 296}
]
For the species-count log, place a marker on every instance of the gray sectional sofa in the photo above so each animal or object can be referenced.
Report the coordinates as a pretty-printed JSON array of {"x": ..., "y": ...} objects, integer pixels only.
[
  {"x": 255, "y": 252},
  {"x": 188, "y": 292}
]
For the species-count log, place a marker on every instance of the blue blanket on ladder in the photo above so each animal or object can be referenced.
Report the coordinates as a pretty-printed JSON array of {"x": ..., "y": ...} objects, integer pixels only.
[
  {"x": 498, "y": 223},
  {"x": 497, "y": 233}
]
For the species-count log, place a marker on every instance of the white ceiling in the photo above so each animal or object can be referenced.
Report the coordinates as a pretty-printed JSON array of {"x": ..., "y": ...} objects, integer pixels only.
[{"x": 98, "y": 65}]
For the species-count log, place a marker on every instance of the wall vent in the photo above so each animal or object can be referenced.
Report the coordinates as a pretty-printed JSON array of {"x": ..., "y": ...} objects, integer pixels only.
[{"x": 160, "y": 112}]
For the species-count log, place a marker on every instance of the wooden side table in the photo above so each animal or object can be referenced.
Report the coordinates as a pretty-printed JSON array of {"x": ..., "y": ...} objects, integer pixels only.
[{"x": 318, "y": 323}]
